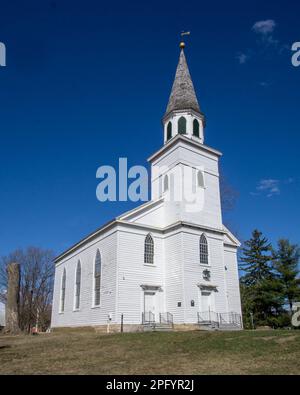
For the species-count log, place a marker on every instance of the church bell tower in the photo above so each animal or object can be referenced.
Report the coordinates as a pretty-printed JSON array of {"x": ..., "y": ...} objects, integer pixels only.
[{"x": 185, "y": 172}]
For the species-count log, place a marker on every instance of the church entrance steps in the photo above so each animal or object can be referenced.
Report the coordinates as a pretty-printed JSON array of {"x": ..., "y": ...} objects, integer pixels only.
[
  {"x": 165, "y": 322},
  {"x": 156, "y": 327},
  {"x": 210, "y": 320}
]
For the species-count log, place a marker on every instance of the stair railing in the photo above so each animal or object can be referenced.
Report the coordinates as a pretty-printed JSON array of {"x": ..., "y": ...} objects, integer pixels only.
[
  {"x": 166, "y": 319},
  {"x": 148, "y": 318}
]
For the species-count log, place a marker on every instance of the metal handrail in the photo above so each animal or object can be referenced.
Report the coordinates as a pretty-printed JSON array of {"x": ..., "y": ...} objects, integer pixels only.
[
  {"x": 148, "y": 317},
  {"x": 166, "y": 318},
  {"x": 211, "y": 317},
  {"x": 231, "y": 318},
  {"x": 208, "y": 316}
]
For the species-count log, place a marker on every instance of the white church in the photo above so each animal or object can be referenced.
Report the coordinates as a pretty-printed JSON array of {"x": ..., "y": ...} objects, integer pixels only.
[{"x": 169, "y": 263}]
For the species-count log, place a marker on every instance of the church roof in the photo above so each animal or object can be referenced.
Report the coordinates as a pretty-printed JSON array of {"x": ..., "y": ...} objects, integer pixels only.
[{"x": 183, "y": 96}]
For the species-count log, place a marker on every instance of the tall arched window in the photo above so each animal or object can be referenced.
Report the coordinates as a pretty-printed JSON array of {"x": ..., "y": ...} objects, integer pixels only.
[
  {"x": 203, "y": 250},
  {"x": 166, "y": 183},
  {"x": 182, "y": 125},
  {"x": 196, "y": 132},
  {"x": 63, "y": 292},
  {"x": 200, "y": 179},
  {"x": 169, "y": 131},
  {"x": 97, "y": 279},
  {"x": 149, "y": 249},
  {"x": 77, "y": 285}
]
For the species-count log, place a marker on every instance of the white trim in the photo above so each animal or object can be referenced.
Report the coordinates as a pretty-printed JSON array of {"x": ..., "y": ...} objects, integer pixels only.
[
  {"x": 151, "y": 287},
  {"x": 136, "y": 210},
  {"x": 185, "y": 140}
]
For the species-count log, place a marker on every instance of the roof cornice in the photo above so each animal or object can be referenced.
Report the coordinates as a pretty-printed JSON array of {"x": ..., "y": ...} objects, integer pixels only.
[
  {"x": 181, "y": 138},
  {"x": 199, "y": 114},
  {"x": 110, "y": 225}
]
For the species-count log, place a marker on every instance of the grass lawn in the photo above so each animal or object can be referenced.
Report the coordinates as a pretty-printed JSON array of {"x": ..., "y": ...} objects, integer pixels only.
[{"x": 87, "y": 352}]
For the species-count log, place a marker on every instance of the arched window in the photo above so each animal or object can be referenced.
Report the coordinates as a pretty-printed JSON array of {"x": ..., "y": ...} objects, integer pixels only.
[
  {"x": 77, "y": 285},
  {"x": 63, "y": 292},
  {"x": 203, "y": 250},
  {"x": 169, "y": 131},
  {"x": 200, "y": 179},
  {"x": 166, "y": 183},
  {"x": 182, "y": 125},
  {"x": 149, "y": 249},
  {"x": 97, "y": 279},
  {"x": 196, "y": 132}
]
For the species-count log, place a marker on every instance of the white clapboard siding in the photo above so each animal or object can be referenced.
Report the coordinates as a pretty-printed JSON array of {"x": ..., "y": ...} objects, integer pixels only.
[
  {"x": 87, "y": 314},
  {"x": 133, "y": 273},
  {"x": 232, "y": 280},
  {"x": 176, "y": 269},
  {"x": 172, "y": 163},
  {"x": 193, "y": 272},
  {"x": 174, "y": 276}
]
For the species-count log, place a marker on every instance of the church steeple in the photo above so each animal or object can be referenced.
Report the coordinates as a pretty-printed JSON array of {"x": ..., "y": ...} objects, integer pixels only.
[
  {"x": 183, "y": 115},
  {"x": 183, "y": 96}
]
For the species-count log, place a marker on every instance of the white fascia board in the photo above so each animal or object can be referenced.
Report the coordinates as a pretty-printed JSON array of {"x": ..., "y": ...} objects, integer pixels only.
[{"x": 182, "y": 139}]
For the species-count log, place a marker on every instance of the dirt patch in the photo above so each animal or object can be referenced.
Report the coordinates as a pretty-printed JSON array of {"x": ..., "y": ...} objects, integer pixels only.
[
  {"x": 265, "y": 338},
  {"x": 285, "y": 339}
]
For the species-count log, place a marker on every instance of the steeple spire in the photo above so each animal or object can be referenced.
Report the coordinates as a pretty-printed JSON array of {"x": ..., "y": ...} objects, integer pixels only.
[
  {"x": 183, "y": 115},
  {"x": 183, "y": 96}
]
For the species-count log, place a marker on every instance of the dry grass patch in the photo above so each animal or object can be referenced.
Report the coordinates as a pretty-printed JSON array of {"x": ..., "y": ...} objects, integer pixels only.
[{"x": 87, "y": 352}]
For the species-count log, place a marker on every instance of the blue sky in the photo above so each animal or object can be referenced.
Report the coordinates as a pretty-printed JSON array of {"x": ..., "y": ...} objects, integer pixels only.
[{"x": 88, "y": 82}]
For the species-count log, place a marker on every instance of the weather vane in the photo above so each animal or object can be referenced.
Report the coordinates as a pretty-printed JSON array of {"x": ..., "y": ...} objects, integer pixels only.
[{"x": 182, "y": 43}]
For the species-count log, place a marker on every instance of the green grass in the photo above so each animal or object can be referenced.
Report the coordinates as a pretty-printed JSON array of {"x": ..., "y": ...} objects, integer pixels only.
[{"x": 87, "y": 352}]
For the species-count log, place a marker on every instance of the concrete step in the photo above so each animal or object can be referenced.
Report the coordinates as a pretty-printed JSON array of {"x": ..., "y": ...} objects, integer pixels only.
[
  {"x": 157, "y": 328},
  {"x": 208, "y": 328},
  {"x": 230, "y": 328},
  {"x": 219, "y": 327}
]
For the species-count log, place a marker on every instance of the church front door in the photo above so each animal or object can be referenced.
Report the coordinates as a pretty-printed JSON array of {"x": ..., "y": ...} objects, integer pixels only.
[{"x": 150, "y": 308}]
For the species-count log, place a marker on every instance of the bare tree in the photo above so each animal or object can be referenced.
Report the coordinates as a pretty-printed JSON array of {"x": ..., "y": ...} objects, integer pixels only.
[
  {"x": 229, "y": 195},
  {"x": 36, "y": 285},
  {"x": 13, "y": 296}
]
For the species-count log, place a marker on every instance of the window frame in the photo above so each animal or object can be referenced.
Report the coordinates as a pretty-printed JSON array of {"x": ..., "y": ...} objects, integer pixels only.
[
  {"x": 77, "y": 290},
  {"x": 62, "y": 302},
  {"x": 169, "y": 130},
  {"x": 203, "y": 250},
  {"x": 196, "y": 122},
  {"x": 183, "y": 119},
  {"x": 202, "y": 179},
  {"x": 149, "y": 243},
  {"x": 94, "y": 280},
  {"x": 166, "y": 183}
]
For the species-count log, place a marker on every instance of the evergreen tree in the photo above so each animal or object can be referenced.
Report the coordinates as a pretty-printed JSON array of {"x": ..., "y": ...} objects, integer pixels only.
[
  {"x": 256, "y": 258},
  {"x": 260, "y": 286},
  {"x": 285, "y": 261}
]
